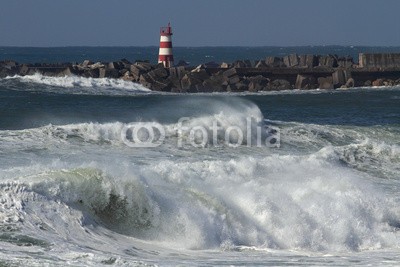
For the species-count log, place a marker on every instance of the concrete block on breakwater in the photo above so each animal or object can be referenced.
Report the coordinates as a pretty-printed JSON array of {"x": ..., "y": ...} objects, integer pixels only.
[
  {"x": 379, "y": 60},
  {"x": 274, "y": 73}
]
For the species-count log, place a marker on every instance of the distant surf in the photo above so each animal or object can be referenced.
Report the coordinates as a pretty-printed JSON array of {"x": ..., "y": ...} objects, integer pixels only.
[{"x": 78, "y": 85}]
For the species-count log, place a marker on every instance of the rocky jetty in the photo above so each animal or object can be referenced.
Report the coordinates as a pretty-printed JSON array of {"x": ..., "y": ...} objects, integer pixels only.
[{"x": 273, "y": 73}]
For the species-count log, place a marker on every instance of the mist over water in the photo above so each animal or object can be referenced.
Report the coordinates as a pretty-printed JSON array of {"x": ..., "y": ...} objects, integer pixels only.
[{"x": 72, "y": 191}]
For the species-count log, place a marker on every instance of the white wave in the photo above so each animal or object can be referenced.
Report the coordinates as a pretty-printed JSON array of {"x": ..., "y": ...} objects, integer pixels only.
[
  {"x": 374, "y": 157},
  {"x": 366, "y": 149},
  {"x": 75, "y": 82},
  {"x": 300, "y": 203},
  {"x": 314, "y": 136},
  {"x": 369, "y": 149},
  {"x": 242, "y": 115}
]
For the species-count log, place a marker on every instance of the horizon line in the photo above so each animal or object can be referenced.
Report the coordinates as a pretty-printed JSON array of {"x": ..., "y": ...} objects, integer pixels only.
[{"x": 205, "y": 46}]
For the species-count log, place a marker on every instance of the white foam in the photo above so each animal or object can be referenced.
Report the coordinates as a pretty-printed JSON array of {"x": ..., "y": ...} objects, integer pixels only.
[
  {"x": 374, "y": 157},
  {"x": 91, "y": 85},
  {"x": 245, "y": 116},
  {"x": 81, "y": 204},
  {"x": 374, "y": 150},
  {"x": 276, "y": 202}
]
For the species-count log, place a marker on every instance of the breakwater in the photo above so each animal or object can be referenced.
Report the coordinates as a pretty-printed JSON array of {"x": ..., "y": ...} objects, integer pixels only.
[{"x": 273, "y": 73}]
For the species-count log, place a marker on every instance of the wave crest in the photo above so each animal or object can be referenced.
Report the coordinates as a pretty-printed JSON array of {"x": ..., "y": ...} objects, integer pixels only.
[
  {"x": 276, "y": 202},
  {"x": 77, "y": 85}
]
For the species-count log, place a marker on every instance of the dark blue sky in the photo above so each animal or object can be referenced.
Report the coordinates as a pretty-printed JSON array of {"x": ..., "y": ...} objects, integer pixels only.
[{"x": 200, "y": 22}]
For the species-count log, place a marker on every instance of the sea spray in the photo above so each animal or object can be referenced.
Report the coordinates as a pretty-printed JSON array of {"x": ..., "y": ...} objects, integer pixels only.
[{"x": 278, "y": 202}]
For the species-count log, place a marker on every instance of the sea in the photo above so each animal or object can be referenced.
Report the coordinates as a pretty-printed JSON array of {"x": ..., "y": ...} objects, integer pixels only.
[{"x": 104, "y": 172}]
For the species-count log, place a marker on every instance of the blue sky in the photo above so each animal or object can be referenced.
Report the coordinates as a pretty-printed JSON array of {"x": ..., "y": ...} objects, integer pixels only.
[{"x": 200, "y": 22}]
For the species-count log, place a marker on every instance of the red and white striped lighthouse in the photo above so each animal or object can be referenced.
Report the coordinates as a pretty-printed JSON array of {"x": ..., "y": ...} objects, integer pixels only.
[{"x": 165, "y": 54}]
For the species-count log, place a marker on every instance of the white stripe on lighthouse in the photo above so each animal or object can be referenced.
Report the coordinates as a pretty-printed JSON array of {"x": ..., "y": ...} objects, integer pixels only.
[
  {"x": 165, "y": 51},
  {"x": 165, "y": 38}
]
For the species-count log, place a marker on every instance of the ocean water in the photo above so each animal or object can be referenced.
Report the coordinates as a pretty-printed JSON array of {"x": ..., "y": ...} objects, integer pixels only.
[
  {"x": 193, "y": 55},
  {"x": 313, "y": 180}
]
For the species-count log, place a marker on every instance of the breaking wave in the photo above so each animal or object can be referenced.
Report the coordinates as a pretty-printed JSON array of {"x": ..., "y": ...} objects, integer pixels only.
[
  {"x": 76, "y": 85},
  {"x": 276, "y": 202},
  {"x": 217, "y": 118}
]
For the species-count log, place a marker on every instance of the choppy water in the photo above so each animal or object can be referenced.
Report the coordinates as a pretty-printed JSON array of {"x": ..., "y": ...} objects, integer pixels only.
[{"x": 74, "y": 190}]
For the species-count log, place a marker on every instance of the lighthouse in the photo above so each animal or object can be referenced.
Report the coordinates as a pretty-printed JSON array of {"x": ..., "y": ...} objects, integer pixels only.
[{"x": 165, "y": 54}]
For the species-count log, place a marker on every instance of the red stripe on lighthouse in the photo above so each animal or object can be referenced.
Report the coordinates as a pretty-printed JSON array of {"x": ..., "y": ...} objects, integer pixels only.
[
  {"x": 165, "y": 44},
  {"x": 165, "y": 58}
]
